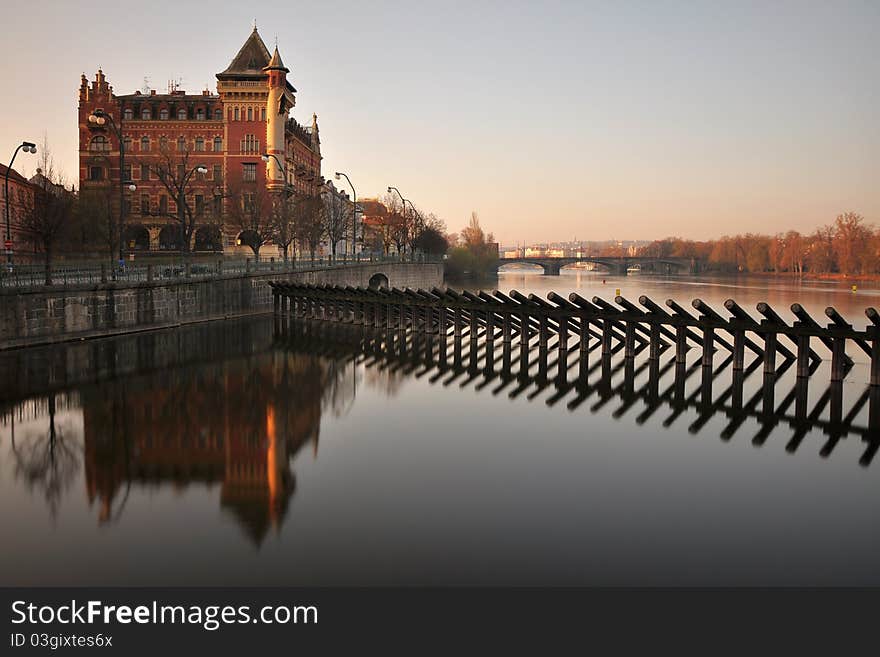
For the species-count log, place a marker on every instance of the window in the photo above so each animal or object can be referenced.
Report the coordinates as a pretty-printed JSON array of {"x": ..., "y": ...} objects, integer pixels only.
[
  {"x": 181, "y": 144},
  {"x": 236, "y": 114},
  {"x": 163, "y": 143},
  {"x": 200, "y": 114},
  {"x": 218, "y": 144},
  {"x": 126, "y": 145},
  {"x": 250, "y": 114},
  {"x": 250, "y": 144},
  {"x": 145, "y": 144},
  {"x": 145, "y": 204},
  {"x": 163, "y": 204},
  {"x": 249, "y": 172},
  {"x": 128, "y": 114},
  {"x": 218, "y": 114},
  {"x": 200, "y": 205},
  {"x": 96, "y": 173},
  {"x": 145, "y": 114},
  {"x": 181, "y": 114},
  {"x": 181, "y": 171},
  {"x": 218, "y": 173},
  {"x": 247, "y": 201},
  {"x": 218, "y": 205},
  {"x": 145, "y": 172},
  {"x": 163, "y": 114},
  {"x": 99, "y": 143},
  {"x": 126, "y": 173},
  {"x": 200, "y": 144},
  {"x": 263, "y": 114}
]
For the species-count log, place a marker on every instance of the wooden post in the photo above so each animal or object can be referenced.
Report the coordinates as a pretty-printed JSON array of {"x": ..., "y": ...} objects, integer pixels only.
[
  {"x": 505, "y": 328},
  {"x": 838, "y": 350},
  {"x": 874, "y": 332},
  {"x": 803, "y": 356},
  {"x": 708, "y": 346},
  {"x": 654, "y": 344},
  {"x": 456, "y": 323},
  {"x": 607, "y": 332},
  {"x": 770, "y": 341},
  {"x": 739, "y": 349},
  {"x": 542, "y": 331},
  {"x": 630, "y": 340},
  {"x": 680, "y": 343}
]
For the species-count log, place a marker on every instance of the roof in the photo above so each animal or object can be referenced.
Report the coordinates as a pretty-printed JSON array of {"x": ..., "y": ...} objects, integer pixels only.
[
  {"x": 13, "y": 175},
  {"x": 276, "y": 63},
  {"x": 250, "y": 60}
]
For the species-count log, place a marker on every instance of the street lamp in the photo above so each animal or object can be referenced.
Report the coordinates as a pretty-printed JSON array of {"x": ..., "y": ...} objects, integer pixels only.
[
  {"x": 338, "y": 175},
  {"x": 100, "y": 118},
  {"x": 27, "y": 147}
]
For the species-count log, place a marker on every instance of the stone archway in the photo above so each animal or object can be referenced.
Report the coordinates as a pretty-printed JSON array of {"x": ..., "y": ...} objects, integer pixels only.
[
  {"x": 379, "y": 281},
  {"x": 136, "y": 238},
  {"x": 207, "y": 238},
  {"x": 169, "y": 238}
]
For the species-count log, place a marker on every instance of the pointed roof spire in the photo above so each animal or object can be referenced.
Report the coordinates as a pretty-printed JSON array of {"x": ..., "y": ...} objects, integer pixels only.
[
  {"x": 251, "y": 59},
  {"x": 275, "y": 63}
]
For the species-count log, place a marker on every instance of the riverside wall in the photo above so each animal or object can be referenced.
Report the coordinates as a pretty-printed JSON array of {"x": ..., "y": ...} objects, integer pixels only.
[{"x": 43, "y": 315}]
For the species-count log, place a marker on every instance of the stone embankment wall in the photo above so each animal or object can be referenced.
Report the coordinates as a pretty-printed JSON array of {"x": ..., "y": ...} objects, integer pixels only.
[{"x": 46, "y": 315}]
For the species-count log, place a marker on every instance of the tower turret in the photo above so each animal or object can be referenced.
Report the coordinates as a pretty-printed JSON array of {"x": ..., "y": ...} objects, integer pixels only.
[{"x": 278, "y": 103}]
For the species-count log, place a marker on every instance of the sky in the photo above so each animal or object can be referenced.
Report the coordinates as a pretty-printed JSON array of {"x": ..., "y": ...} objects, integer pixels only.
[{"x": 552, "y": 120}]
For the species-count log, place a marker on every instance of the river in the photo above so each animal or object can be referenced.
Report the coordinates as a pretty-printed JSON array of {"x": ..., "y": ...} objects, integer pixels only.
[{"x": 224, "y": 454}]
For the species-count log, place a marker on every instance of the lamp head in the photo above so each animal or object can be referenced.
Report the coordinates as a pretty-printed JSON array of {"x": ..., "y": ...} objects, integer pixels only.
[
  {"x": 201, "y": 169},
  {"x": 265, "y": 157},
  {"x": 28, "y": 147},
  {"x": 337, "y": 175},
  {"x": 132, "y": 187},
  {"x": 389, "y": 190}
]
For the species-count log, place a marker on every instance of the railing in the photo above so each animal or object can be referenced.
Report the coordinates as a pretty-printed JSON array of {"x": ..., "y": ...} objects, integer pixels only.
[
  {"x": 613, "y": 327},
  {"x": 30, "y": 276}
]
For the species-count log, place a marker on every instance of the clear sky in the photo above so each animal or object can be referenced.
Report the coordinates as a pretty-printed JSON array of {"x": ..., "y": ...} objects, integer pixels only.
[{"x": 552, "y": 120}]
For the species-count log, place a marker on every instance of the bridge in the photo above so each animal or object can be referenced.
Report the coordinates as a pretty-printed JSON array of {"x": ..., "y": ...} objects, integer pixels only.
[{"x": 615, "y": 264}]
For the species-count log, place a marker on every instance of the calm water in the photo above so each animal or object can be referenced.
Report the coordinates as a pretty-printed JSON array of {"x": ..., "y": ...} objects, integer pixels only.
[{"x": 223, "y": 454}]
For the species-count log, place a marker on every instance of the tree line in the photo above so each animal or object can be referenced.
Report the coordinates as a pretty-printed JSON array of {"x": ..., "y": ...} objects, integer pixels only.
[{"x": 848, "y": 246}]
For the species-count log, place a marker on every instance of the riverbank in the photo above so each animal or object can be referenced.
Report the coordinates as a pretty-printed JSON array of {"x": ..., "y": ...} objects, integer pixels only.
[{"x": 45, "y": 315}]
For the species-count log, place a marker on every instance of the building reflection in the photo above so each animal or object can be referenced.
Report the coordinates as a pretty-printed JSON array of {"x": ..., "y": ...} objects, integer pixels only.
[{"x": 236, "y": 424}]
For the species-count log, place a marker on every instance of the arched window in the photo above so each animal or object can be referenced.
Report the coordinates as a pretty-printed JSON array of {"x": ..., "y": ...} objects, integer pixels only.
[
  {"x": 163, "y": 114},
  {"x": 200, "y": 114},
  {"x": 236, "y": 114},
  {"x": 263, "y": 114},
  {"x": 181, "y": 144},
  {"x": 145, "y": 114},
  {"x": 128, "y": 114},
  {"x": 218, "y": 114},
  {"x": 145, "y": 144},
  {"x": 99, "y": 143},
  {"x": 200, "y": 144},
  {"x": 250, "y": 114},
  {"x": 181, "y": 114},
  {"x": 218, "y": 144},
  {"x": 126, "y": 145}
]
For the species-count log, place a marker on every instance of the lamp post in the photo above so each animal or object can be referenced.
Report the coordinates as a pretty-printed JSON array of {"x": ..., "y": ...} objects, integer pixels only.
[
  {"x": 27, "y": 147},
  {"x": 100, "y": 118},
  {"x": 338, "y": 175}
]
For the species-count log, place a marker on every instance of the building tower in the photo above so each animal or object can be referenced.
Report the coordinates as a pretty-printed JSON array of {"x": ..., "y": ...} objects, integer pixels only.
[{"x": 277, "y": 105}]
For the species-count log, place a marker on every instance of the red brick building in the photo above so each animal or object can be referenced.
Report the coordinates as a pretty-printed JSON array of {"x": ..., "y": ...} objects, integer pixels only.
[
  {"x": 226, "y": 132},
  {"x": 21, "y": 195}
]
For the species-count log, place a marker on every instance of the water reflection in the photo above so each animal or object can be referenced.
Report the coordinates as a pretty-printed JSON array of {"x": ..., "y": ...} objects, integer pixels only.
[
  {"x": 564, "y": 372},
  {"x": 234, "y": 424}
]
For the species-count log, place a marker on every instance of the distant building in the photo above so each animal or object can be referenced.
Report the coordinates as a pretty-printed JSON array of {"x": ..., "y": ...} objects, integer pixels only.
[{"x": 227, "y": 132}]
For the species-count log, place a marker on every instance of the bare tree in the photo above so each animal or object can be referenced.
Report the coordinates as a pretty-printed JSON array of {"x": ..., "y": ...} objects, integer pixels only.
[
  {"x": 175, "y": 169},
  {"x": 251, "y": 212},
  {"x": 310, "y": 223},
  {"x": 336, "y": 219},
  {"x": 284, "y": 223},
  {"x": 48, "y": 211}
]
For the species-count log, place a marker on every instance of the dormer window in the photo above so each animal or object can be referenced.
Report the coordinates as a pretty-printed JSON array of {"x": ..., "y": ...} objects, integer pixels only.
[
  {"x": 181, "y": 114},
  {"x": 163, "y": 114},
  {"x": 128, "y": 114},
  {"x": 218, "y": 114},
  {"x": 200, "y": 114},
  {"x": 146, "y": 114}
]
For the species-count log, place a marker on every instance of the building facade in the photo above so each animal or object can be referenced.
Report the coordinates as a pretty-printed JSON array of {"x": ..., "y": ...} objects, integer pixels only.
[
  {"x": 206, "y": 149},
  {"x": 21, "y": 197}
]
